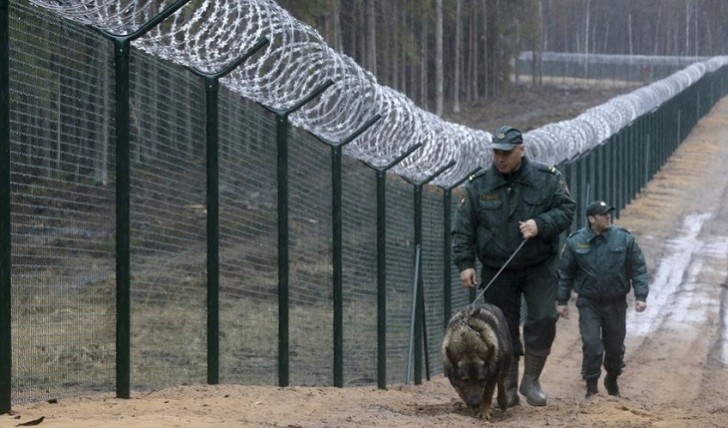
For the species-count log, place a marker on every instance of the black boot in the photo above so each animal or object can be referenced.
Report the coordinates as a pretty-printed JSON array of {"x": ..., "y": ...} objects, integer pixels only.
[
  {"x": 512, "y": 384},
  {"x": 610, "y": 382},
  {"x": 530, "y": 387},
  {"x": 591, "y": 387}
]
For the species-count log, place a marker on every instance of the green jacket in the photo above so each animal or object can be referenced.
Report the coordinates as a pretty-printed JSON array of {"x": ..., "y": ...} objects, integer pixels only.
[
  {"x": 602, "y": 267},
  {"x": 486, "y": 223}
]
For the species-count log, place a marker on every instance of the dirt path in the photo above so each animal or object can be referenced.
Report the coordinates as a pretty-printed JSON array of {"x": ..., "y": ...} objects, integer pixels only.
[{"x": 677, "y": 351}]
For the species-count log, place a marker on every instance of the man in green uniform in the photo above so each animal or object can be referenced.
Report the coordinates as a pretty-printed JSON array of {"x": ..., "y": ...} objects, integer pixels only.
[
  {"x": 600, "y": 262},
  {"x": 513, "y": 200}
]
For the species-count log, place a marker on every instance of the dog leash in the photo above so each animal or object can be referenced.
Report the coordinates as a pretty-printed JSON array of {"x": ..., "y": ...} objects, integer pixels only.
[{"x": 501, "y": 270}]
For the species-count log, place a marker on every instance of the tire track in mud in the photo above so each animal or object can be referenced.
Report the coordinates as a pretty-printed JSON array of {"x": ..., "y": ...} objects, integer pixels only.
[
  {"x": 721, "y": 343},
  {"x": 677, "y": 349},
  {"x": 720, "y": 352},
  {"x": 682, "y": 293},
  {"x": 679, "y": 330}
]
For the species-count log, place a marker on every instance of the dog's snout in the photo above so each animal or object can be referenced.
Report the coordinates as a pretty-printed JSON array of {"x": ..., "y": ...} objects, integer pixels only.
[{"x": 475, "y": 401}]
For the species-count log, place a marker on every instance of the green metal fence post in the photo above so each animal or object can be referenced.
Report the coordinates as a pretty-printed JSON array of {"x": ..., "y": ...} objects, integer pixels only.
[
  {"x": 600, "y": 182},
  {"x": 123, "y": 259},
  {"x": 420, "y": 327},
  {"x": 623, "y": 166},
  {"x": 446, "y": 246},
  {"x": 633, "y": 160},
  {"x": 122, "y": 49},
  {"x": 645, "y": 148},
  {"x": 6, "y": 355},
  {"x": 337, "y": 237},
  {"x": 610, "y": 172},
  {"x": 571, "y": 170},
  {"x": 213, "y": 229},
  {"x": 382, "y": 264},
  {"x": 583, "y": 177},
  {"x": 211, "y": 83},
  {"x": 282, "y": 126}
]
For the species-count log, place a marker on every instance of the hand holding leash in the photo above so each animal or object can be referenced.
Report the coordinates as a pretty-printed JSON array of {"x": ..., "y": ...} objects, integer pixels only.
[{"x": 528, "y": 228}]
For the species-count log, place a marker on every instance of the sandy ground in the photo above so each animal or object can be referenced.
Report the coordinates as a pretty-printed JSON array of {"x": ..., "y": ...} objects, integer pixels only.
[{"x": 677, "y": 351}]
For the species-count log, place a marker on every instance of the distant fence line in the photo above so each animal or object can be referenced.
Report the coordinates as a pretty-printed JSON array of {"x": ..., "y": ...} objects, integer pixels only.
[
  {"x": 233, "y": 246},
  {"x": 577, "y": 69}
]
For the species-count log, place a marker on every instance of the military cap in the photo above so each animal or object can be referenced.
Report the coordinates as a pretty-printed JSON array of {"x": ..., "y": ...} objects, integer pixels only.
[
  {"x": 598, "y": 207},
  {"x": 506, "y": 138}
]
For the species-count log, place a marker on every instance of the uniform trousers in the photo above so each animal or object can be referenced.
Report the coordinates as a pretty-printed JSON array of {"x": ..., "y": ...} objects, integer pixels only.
[
  {"x": 602, "y": 325},
  {"x": 536, "y": 287}
]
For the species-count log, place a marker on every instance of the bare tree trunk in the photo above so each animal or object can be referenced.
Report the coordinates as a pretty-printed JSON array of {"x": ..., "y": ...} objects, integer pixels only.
[
  {"x": 357, "y": 36},
  {"x": 474, "y": 80},
  {"x": 629, "y": 32},
  {"x": 406, "y": 84},
  {"x": 333, "y": 26},
  {"x": 687, "y": 28},
  {"x": 395, "y": 14},
  {"x": 410, "y": 69},
  {"x": 536, "y": 74},
  {"x": 392, "y": 65},
  {"x": 456, "y": 73},
  {"x": 657, "y": 31},
  {"x": 438, "y": 58},
  {"x": 539, "y": 62},
  {"x": 423, "y": 66},
  {"x": 586, "y": 26},
  {"x": 695, "y": 27},
  {"x": 371, "y": 45},
  {"x": 489, "y": 67},
  {"x": 586, "y": 37},
  {"x": 472, "y": 54}
]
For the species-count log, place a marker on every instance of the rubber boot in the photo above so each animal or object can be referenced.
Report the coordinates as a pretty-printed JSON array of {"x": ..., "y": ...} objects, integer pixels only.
[
  {"x": 512, "y": 384},
  {"x": 610, "y": 382},
  {"x": 530, "y": 386},
  {"x": 591, "y": 387}
]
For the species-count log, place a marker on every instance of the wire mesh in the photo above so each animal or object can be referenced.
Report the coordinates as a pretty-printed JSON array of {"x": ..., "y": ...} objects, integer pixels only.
[
  {"x": 168, "y": 236},
  {"x": 433, "y": 278},
  {"x": 248, "y": 253},
  {"x": 310, "y": 274},
  {"x": 400, "y": 266},
  {"x": 62, "y": 215},
  {"x": 359, "y": 226}
]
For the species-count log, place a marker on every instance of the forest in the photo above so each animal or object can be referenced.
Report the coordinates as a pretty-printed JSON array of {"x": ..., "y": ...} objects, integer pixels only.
[{"x": 442, "y": 52}]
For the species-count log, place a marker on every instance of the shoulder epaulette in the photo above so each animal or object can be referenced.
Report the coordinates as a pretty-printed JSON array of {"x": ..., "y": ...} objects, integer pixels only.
[
  {"x": 476, "y": 175},
  {"x": 623, "y": 228},
  {"x": 548, "y": 168}
]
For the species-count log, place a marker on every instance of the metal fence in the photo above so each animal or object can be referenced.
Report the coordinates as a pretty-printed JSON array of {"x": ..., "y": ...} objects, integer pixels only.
[
  {"x": 597, "y": 70},
  {"x": 264, "y": 258}
]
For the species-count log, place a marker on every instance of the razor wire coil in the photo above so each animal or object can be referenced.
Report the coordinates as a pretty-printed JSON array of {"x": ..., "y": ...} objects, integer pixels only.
[{"x": 208, "y": 35}]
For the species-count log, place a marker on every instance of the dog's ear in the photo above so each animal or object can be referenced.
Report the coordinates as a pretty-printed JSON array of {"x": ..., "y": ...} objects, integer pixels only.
[
  {"x": 490, "y": 353},
  {"x": 451, "y": 357}
]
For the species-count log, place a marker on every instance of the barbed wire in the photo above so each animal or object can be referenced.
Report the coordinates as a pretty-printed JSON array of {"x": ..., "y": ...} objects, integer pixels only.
[{"x": 210, "y": 34}]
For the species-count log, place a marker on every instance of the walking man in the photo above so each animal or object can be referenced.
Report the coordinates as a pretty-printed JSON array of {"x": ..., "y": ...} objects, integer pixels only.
[
  {"x": 516, "y": 207},
  {"x": 600, "y": 263}
]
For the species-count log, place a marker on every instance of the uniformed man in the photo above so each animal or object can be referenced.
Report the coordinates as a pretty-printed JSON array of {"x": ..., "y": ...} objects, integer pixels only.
[
  {"x": 600, "y": 262},
  {"x": 513, "y": 200}
]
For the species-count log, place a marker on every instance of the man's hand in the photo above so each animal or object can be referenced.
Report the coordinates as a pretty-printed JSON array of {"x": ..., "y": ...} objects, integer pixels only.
[
  {"x": 563, "y": 311},
  {"x": 640, "y": 306},
  {"x": 468, "y": 278},
  {"x": 528, "y": 228}
]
